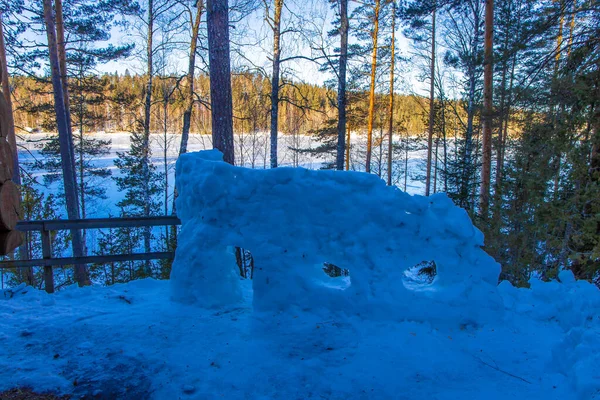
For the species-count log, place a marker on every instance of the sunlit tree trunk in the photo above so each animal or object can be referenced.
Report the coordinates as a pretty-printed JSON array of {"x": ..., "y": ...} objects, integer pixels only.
[
  {"x": 375, "y": 34},
  {"x": 11, "y": 137},
  {"x": 391, "y": 100},
  {"x": 431, "y": 107},
  {"x": 189, "y": 93},
  {"x": 341, "y": 127},
  {"x": 276, "y": 26}
]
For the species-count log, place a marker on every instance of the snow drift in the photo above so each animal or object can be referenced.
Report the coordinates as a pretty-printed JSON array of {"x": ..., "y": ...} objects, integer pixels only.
[{"x": 293, "y": 220}]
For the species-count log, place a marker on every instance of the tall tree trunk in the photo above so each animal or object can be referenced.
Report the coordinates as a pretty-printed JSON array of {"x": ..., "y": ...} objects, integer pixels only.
[
  {"x": 375, "y": 34},
  {"x": 443, "y": 106},
  {"x": 66, "y": 151},
  {"x": 62, "y": 60},
  {"x": 166, "y": 96},
  {"x": 503, "y": 116},
  {"x": 81, "y": 180},
  {"x": 348, "y": 148},
  {"x": 146, "y": 133},
  {"x": 189, "y": 94},
  {"x": 486, "y": 152},
  {"x": 435, "y": 165},
  {"x": 467, "y": 161},
  {"x": 275, "y": 81},
  {"x": 11, "y": 138},
  {"x": 556, "y": 163},
  {"x": 431, "y": 106},
  {"x": 220, "y": 78},
  {"x": 571, "y": 28},
  {"x": 406, "y": 161},
  {"x": 341, "y": 127},
  {"x": 391, "y": 109}
]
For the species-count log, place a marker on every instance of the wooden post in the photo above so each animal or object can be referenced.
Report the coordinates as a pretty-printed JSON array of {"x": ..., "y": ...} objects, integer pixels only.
[{"x": 47, "y": 254}]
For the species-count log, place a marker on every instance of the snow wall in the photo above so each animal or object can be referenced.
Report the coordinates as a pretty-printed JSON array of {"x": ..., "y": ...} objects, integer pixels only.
[{"x": 292, "y": 220}]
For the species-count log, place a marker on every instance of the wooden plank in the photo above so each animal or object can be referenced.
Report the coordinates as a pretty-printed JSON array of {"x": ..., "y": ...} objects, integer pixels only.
[
  {"x": 164, "y": 255},
  {"x": 97, "y": 223}
]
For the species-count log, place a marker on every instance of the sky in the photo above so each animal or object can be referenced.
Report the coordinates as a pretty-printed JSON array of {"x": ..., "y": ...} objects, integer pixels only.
[{"x": 253, "y": 45}]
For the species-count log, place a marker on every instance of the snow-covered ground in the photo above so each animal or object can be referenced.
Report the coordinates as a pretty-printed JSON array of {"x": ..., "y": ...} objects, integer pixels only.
[{"x": 130, "y": 341}]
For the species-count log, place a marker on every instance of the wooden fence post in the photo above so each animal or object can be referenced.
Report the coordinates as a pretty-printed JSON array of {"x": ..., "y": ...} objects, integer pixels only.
[{"x": 47, "y": 255}]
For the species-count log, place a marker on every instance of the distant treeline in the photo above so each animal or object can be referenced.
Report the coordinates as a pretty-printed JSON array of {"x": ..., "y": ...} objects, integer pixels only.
[{"x": 114, "y": 103}]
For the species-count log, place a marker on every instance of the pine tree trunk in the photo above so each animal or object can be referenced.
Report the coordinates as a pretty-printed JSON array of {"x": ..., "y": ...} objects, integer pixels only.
[
  {"x": 62, "y": 60},
  {"x": 189, "y": 94},
  {"x": 341, "y": 127},
  {"x": 275, "y": 81},
  {"x": 431, "y": 107},
  {"x": 71, "y": 198},
  {"x": 391, "y": 104},
  {"x": 486, "y": 152},
  {"x": 435, "y": 165},
  {"x": 11, "y": 137},
  {"x": 372, "y": 88},
  {"x": 220, "y": 78},
  {"x": 468, "y": 168},
  {"x": 165, "y": 154},
  {"x": 571, "y": 28},
  {"x": 146, "y": 133},
  {"x": 503, "y": 114},
  {"x": 443, "y": 106},
  {"x": 348, "y": 148},
  {"x": 81, "y": 183}
]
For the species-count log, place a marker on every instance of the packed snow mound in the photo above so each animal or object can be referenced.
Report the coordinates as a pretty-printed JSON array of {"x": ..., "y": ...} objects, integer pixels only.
[
  {"x": 575, "y": 306},
  {"x": 293, "y": 220},
  {"x": 570, "y": 302}
]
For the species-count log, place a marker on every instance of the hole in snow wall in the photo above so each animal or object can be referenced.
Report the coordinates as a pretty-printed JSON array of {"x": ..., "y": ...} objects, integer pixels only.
[{"x": 292, "y": 219}]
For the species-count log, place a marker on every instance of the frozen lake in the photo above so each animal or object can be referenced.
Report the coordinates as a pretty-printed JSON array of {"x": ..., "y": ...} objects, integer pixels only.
[{"x": 251, "y": 151}]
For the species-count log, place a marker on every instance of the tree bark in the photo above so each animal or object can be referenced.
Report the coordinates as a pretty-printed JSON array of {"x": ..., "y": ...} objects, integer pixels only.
[
  {"x": 10, "y": 137},
  {"x": 431, "y": 107},
  {"x": 62, "y": 60},
  {"x": 391, "y": 100},
  {"x": 275, "y": 81},
  {"x": 66, "y": 151},
  {"x": 220, "y": 78},
  {"x": 189, "y": 94},
  {"x": 372, "y": 88},
  {"x": 486, "y": 152},
  {"x": 348, "y": 148},
  {"x": 467, "y": 167},
  {"x": 341, "y": 127},
  {"x": 146, "y": 133}
]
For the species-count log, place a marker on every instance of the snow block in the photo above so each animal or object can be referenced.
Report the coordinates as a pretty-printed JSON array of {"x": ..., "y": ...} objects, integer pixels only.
[{"x": 292, "y": 220}]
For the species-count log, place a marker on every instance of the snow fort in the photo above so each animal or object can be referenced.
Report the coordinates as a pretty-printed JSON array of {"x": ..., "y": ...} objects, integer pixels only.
[{"x": 294, "y": 220}]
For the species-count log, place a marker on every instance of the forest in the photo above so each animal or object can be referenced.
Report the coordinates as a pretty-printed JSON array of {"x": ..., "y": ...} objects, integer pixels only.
[{"x": 499, "y": 100}]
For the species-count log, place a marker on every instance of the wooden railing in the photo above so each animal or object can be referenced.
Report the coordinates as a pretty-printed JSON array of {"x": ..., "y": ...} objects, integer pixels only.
[{"x": 48, "y": 262}]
